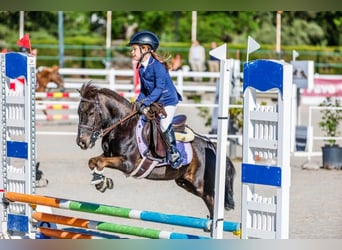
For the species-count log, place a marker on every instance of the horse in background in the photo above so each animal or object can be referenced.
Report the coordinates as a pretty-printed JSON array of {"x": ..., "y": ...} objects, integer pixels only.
[{"x": 48, "y": 74}]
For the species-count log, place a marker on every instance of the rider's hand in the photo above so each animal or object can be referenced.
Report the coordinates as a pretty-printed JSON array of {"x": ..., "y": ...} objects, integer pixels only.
[
  {"x": 141, "y": 108},
  {"x": 138, "y": 106},
  {"x": 144, "y": 110}
]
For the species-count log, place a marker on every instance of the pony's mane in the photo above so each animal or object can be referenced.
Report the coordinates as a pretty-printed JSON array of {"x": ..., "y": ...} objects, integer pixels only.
[{"x": 89, "y": 91}]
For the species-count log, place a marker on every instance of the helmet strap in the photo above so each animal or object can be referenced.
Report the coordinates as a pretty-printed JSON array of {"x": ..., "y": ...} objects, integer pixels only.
[{"x": 143, "y": 54}]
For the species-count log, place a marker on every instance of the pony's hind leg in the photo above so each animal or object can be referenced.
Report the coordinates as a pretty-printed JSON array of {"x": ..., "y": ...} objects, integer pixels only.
[
  {"x": 229, "y": 186},
  {"x": 198, "y": 191}
]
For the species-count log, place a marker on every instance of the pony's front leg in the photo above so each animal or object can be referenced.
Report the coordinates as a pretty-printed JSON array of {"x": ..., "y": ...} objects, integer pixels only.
[{"x": 97, "y": 165}]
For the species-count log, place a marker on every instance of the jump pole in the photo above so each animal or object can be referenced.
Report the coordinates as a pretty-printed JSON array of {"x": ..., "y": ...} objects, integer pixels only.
[
  {"x": 62, "y": 234},
  {"x": 178, "y": 220},
  {"x": 220, "y": 173},
  {"x": 112, "y": 227}
]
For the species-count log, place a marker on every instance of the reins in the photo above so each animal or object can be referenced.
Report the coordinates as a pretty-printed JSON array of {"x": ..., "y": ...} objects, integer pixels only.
[
  {"x": 156, "y": 108},
  {"x": 107, "y": 130}
]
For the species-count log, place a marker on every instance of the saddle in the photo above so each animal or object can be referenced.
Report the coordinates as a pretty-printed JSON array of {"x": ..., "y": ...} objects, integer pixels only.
[
  {"x": 152, "y": 145},
  {"x": 153, "y": 136},
  {"x": 151, "y": 132}
]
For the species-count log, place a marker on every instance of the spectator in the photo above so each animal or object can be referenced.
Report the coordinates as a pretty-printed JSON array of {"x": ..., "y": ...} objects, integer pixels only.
[
  {"x": 213, "y": 62},
  {"x": 197, "y": 58},
  {"x": 177, "y": 62}
]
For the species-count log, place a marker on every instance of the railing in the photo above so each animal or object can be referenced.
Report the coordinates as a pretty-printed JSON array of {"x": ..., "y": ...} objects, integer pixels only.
[
  {"x": 312, "y": 136},
  {"x": 110, "y": 79}
]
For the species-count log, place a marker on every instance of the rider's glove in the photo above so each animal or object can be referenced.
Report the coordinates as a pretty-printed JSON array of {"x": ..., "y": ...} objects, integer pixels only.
[
  {"x": 141, "y": 108},
  {"x": 144, "y": 110}
]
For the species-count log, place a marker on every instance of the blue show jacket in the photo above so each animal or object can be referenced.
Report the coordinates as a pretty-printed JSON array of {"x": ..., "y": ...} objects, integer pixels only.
[{"x": 157, "y": 85}]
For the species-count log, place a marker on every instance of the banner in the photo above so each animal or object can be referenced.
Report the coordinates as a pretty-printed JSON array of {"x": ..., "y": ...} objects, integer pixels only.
[{"x": 324, "y": 86}]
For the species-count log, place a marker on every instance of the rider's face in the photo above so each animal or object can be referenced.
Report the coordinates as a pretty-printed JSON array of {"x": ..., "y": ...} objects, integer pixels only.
[{"x": 137, "y": 51}]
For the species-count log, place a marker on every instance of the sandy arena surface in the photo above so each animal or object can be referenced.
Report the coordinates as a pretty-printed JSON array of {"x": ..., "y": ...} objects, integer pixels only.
[{"x": 315, "y": 199}]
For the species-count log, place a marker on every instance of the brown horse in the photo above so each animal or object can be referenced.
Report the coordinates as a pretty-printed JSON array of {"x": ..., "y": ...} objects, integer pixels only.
[
  {"x": 46, "y": 75},
  {"x": 104, "y": 113}
]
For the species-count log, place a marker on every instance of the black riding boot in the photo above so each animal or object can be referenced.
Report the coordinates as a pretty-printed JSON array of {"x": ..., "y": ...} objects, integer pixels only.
[{"x": 175, "y": 157}]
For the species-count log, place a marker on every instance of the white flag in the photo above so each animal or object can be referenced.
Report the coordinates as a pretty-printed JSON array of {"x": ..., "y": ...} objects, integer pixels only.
[
  {"x": 294, "y": 55},
  {"x": 252, "y": 45}
]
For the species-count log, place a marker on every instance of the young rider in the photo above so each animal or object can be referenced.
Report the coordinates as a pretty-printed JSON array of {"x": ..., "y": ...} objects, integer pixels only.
[{"x": 156, "y": 86}]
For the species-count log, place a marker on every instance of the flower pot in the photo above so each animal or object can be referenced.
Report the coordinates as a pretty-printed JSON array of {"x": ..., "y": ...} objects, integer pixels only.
[{"x": 332, "y": 157}]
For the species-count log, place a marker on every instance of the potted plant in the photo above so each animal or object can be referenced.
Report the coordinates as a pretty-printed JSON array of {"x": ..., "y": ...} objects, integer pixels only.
[{"x": 330, "y": 122}]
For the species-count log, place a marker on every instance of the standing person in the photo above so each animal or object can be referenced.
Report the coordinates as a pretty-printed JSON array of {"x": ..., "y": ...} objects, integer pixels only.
[
  {"x": 156, "y": 86},
  {"x": 197, "y": 58},
  {"x": 213, "y": 62}
]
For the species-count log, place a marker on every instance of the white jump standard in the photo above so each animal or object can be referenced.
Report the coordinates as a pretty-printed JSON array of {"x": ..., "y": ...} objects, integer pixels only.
[{"x": 265, "y": 173}]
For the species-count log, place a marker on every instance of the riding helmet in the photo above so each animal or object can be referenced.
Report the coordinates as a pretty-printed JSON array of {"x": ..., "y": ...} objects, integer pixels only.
[{"x": 145, "y": 38}]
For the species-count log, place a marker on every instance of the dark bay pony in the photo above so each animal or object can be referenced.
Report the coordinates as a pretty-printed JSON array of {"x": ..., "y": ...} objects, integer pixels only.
[
  {"x": 102, "y": 108},
  {"x": 48, "y": 74}
]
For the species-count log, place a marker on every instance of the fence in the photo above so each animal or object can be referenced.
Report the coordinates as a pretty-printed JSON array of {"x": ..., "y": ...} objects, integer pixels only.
[{"x": 312, "y": 135}]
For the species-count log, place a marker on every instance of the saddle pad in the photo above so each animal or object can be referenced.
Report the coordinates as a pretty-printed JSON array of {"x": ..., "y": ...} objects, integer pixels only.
[
  {"x": 186, "y": 136},
  {"x": 184, "y": 147}
]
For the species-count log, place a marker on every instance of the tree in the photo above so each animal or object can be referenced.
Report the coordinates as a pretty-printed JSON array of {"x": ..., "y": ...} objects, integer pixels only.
[{"x": 298, "y": 27}]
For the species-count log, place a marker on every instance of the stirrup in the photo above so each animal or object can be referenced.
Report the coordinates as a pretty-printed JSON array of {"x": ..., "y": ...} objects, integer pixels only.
[{"x": 176, "y": 160}]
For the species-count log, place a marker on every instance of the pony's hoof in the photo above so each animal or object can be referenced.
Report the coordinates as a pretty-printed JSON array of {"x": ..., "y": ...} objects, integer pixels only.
[
  {"x": 42, "y": 182},
  {"x": 101, "y": 186},
  {"x": 109, "y": 183},
  {"x": 106, "y": 183}
]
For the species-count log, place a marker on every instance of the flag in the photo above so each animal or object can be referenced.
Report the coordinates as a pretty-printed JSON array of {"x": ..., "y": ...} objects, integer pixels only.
[
  {"x": 252, "y": 45},
  {"x": 294, "y": 55},
  {"x": 25, "y": 42}
]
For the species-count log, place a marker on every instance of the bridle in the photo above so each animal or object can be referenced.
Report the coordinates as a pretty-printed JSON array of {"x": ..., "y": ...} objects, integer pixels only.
[{"x": 96, "y": 130}]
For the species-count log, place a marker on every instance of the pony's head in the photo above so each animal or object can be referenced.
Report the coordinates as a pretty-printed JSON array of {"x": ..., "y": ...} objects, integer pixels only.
[
  {"x": 89, "y": 113},
  {"x": 99, "y": 108}
]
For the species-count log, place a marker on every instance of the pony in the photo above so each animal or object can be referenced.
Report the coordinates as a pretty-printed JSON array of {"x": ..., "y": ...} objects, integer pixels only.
[
  {"x": 103, "y": 113},
  {"x": 45, "y": 75}
]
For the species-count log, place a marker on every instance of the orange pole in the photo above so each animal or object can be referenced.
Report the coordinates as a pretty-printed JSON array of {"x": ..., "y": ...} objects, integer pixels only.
[
  {"x": 61, "y": 234},
  {"x": 36, "y": 199},
  {"x": 60, "y": 219}
]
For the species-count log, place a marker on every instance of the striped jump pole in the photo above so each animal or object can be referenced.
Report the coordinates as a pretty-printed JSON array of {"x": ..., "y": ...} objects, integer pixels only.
[
  {"x": 178, "y": 220},
  {"x": 57, "y": 117},
  {"x": 62, "y": 234},
  {"x": 57, "y": 95},
  {"x": 55, "y": 106},
  {"x": 72, "y": 233},
  {"x": 112, "y": 227}
]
